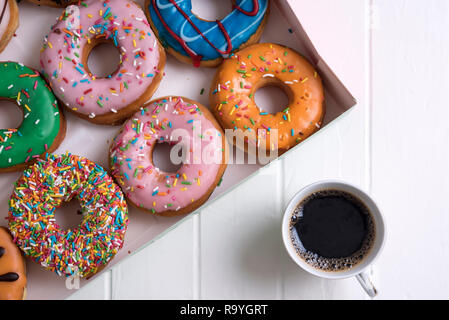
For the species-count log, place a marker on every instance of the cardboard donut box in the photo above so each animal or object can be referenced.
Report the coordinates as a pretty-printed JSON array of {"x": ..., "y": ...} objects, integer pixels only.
[{"x": 283, "y": 27}]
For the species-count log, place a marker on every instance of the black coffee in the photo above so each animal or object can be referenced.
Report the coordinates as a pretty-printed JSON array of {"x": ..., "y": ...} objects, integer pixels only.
[{"x": 332, "y": 230}]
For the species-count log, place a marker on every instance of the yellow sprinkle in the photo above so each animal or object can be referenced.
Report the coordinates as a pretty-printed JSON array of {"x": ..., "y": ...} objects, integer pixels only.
[
  {"x": 174, "y": 183},
  {"x": 184, "y": 176},
  {"x": 28, "y": 108},
  {"x": 315, "y": 74},
  {"x": 220, "y": 106},
  {"x": 304, "y": 81},
  {"x": 232, "y": 111},
  {"x": 198, "y": 181},
  {"x": 288, "y": 117},
  {"x": 154, "y": 203},
  {"x": 50, "y": 45},
  {"x": 90, "y": 16},
  {"x": 134, "y": 43}
]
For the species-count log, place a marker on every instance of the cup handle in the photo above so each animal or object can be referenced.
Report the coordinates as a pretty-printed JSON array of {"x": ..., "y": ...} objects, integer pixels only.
[{"x": 365, "y": 281}]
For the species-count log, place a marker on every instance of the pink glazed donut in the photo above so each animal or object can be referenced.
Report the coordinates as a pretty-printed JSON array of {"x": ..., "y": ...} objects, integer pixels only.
[
  {"x": 110, "y": 99},
  {"x": 177, "y": 121}
]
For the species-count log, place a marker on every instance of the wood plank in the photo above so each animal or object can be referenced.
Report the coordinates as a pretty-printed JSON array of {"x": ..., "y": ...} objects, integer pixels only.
[
  {"x": 96, "y": 289},
  {"x": 410, "y": 145},
  {"x": 340, "y": 151},
  {"x": 161, "y": 270},
  {"x": 240, "y": 240}
]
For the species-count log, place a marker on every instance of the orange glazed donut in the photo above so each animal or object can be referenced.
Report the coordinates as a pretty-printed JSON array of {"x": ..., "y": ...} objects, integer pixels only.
[{"x": 260, "y": 65}]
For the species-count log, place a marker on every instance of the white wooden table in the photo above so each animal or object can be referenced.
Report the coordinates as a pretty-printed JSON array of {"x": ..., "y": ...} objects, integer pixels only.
[{"x": 393, "y": 55}]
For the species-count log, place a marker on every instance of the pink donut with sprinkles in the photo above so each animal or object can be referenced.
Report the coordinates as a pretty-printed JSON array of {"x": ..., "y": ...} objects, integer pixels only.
[
  {"x": 43, "y": 188},
  {"x": 64, "y": 56},
  {"x": 188, "y": 126}
]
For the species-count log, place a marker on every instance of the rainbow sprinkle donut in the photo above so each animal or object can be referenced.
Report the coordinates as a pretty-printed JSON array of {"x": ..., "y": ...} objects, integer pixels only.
[{"x": 43, "y": 188}]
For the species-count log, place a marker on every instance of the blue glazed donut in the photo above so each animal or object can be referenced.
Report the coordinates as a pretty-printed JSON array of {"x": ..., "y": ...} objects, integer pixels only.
[{"x": 206, "y": 43}]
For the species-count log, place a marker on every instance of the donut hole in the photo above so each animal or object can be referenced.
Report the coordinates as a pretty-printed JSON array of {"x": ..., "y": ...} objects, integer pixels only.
[
  {"x": 272, "y": 98},
  {"x": 165, "y": 157},
  {"x": 211, "y": 10},
  {"x": 103, "y": 58},
  {"x": 11, "y": 116},
  {"x": 69, "y": 214}
]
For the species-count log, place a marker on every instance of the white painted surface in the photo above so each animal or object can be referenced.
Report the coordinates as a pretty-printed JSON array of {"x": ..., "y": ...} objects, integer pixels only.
[{"x": 410, "y": 146}]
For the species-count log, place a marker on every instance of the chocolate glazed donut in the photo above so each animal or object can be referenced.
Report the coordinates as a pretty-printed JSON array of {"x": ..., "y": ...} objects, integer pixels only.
[
  {"x": 55, "y": 3},
  {"x": 12, "y": 269}
]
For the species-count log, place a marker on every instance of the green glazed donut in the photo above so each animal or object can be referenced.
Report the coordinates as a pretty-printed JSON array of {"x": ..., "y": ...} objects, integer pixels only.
[{"x": 43, "y": 126}]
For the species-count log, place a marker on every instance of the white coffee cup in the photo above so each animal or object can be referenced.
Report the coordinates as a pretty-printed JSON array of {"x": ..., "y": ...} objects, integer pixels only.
[{"x": 359, "y": 270}]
